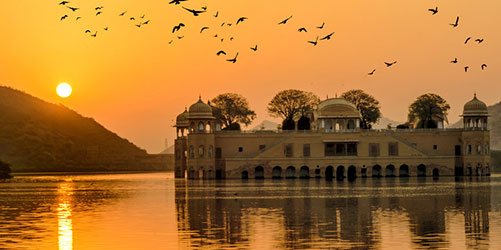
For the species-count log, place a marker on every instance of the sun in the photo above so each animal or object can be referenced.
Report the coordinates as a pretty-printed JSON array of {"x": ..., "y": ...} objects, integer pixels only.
[{"x": 63, "y": 90}]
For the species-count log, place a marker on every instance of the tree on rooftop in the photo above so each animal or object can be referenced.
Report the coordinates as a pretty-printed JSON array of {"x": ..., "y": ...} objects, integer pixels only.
[
  {"x": 287, "y": 103},
  {"x": 233, "y": 110},
  {"x": 425, "y": 108},
  {"x": 366, "y": 104}
]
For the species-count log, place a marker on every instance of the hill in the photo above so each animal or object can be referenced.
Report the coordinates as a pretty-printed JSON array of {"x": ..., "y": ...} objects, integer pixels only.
[
  {"x": 265, "y": 125},
  {"x": 39, "y": 136},
  {"x": 494, "y": 125},
  {"x": 383, "y": 123}
]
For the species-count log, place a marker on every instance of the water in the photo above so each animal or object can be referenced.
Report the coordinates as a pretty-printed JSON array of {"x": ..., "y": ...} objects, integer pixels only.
[{"x": 155, "y": 211}]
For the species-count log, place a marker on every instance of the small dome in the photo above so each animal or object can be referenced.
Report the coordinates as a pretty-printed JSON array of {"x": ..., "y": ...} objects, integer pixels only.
[
  {"x": 200, "y": 110},
  {"x": 475, "y": 107},
  {"x": 337, "y": 108},
  {"x": 182, "y": 119}
]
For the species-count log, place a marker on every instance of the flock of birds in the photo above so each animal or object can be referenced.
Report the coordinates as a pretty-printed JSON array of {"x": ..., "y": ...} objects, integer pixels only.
[
  {"x": 455, "y": 24},
  {"x": 197, "y": 12}
]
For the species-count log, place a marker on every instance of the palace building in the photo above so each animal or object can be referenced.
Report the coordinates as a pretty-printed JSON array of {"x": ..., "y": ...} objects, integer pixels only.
[{"x": 329, "y": 143}]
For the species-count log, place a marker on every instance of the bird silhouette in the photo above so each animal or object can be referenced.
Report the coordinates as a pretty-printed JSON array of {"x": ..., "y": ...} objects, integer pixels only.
[
  {"x": 78, "y": 18},
  {"x": 64, "y": 17},
  {"x": 203, "y": 28},
  {"x": 63, "y": 3},
  {"x": 467, "y": 39},
  {"x": 94, "y": 35},
  {"x": 327, "y": 37},
  {"x": 241, "y": 19},
  {"x": 106, "y": 28},
  {"x": 388, "y": 64},
  {"x": 314, "y": 42},
  {"x": 177, "y": 27},
  {"x": 180, "y": 37},
  {"x": 229, "y": 24},
  {"x": 132, "y": 19},
  {"x": 222, "y": 24},
  {"x": 372, "y": 72},
  {"x": 98, "y": 13},
  {"x": 123, "y": 13},
  {"x": 138, "y": 25},
  {"x": 171, "y": 41},
  {"x": 455, "y": 60},
  {"x": 87, "y": 31},
  {"x": 466, "y": 68},
  {"x": 99, "y": 8},
  {"x": 454, "y": 25},
  {"x": 483, "y": 66},
  {"x": 193, "y": 11},
  {"x": 434, "y": 11},
  {"x": 285, "y": 20},
  {"x": 302, "y": 29},
  {"x": 217, "y": 14},
  {"x": 215, "y": 35},
  {"x": 146, "y": 22},
  {"x": 220, "y": 52},
  {"x": 234, "y": 60},
  {"x": 176, "y": 2},
  {"x": 321, "y": 26},
  {"x": 222, "y": 39},
  {"x": 204, "y": 8},
  {"x": 254, "y": 48},
  {"x": 231, "y": 38},
  {"x": 142, "y": 16},
  {"x": 72, "y": 8},
  {"x": 479, "y": 40}
]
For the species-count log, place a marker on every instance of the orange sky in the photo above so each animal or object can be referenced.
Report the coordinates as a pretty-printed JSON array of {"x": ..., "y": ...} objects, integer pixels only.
[{"x": 134, "y": 83}]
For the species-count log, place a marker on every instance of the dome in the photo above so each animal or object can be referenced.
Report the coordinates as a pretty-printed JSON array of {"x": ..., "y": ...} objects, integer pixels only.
[
  {"x": 200, "y": 110},
  {"x": 182, "y": 119},
  {"x": 337, "y": 108},
  {"x": 475, "y": 107}
]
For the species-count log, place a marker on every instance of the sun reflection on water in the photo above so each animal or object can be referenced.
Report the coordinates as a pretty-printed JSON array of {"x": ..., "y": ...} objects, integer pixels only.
[{"x": 64, "y": 220}]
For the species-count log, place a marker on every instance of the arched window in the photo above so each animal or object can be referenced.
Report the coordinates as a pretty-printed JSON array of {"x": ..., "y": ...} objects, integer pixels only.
[
  {"x": 208, "y": 127},
  {"x": 351, "y": 124},
  {"x": 192, "y": 127},
  {"x": 218, "y": 127},
  {"x": 201, "y": 151},
  {"x": 468, "y": 149},
  {"x": 192, "y": 152},
  {"x": 210, "y": 151},
  {"x": 201, "y": 127},
  {"x": 486, "y": 149},
  {"x": 479, "y": 149},
  {"x": 328, "y": 126}
]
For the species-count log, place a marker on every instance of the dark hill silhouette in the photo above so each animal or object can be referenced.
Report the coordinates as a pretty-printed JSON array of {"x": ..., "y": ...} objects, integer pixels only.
[{"x": 39, "y": 136}]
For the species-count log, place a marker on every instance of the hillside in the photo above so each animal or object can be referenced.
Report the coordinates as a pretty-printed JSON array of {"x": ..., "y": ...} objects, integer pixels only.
[
  {"x": 39, "y": 136},
  {"x": 494, "y": 125}
]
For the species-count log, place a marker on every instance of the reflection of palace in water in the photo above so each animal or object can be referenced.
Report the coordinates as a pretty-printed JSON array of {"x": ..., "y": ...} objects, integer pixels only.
[
  {"x": 221, "y": 215},
  {"x": 328, "y": 142}
]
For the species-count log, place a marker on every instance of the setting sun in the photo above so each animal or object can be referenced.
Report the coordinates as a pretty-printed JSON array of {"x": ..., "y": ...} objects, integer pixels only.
[{"x": 63, "y": 90}]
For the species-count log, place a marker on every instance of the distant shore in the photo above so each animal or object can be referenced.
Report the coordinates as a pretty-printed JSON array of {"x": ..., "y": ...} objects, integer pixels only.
[{"x": 86, "y": 173}]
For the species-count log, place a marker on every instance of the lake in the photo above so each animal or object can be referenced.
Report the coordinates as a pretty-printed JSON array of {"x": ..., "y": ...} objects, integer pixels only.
[{"x": 156, "y": 211}]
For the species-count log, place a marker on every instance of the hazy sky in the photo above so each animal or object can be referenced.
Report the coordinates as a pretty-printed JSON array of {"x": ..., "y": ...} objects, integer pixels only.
[{"x": 135, "y": 83}]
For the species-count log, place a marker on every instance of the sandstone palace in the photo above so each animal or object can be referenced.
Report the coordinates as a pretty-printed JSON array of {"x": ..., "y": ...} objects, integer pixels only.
[{"x": 330, "y": 144}]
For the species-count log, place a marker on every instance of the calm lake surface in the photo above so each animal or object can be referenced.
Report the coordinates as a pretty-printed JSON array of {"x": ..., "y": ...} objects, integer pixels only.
[{"x": 155, "y": 211}]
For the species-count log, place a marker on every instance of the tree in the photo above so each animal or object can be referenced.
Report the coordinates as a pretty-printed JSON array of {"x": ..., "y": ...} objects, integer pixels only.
[
  {"x": 232, "y": 109},
  {"x": 425, "y": 108},
  {"x": 5, "y": 170},
  {"x": 366, "y": 104},
  {"x": 287, "y": 103}
]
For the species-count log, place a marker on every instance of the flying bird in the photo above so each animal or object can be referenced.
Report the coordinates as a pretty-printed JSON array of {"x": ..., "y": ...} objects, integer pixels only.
[
  {"x": 142, "y": 16},
  {"x": 217, "y": 14},
  {"x": 203, "y": 28},
  {"x": 177, "y": 27},
  {"x": 132, "y": 19},
  {"x": 229, "y": 24},
  {"x": 180, "y": 37},
  {"x": 99, "y": 8},
  {"x": 285, "y": 20},
  {"x": 388, "y": 64},
  {"x": 241, "y": 19},
  {"x": 215, "y": 35},
  {"x": 302, "y": 29},
  {"x": 63, "y": 3},
  {"x": 87, "y": 31},
  {"x": 72, "y": 8},
  {"x": 220, "y": 52},
  {"x": 327, "y": 37},
  {"x": 78, "y": 18},
  {"x": 176, "y": 2},
  {"x": 434, "y": 11},
  {"x": 146, "y": 22},
  {"x": 94, "y": 35},
  {"x": 231, "y": 38},
  {"x": 254, "y": 48},
  {"x": 372, "y": 72},
  {"x": 314, "y": 42},
  {"x": 454, "y": 25},
  {"x": 321, "y": 26},
  {"x": 195, "y": 12},
  {"x": 171, "y": 41},
  {"x": 138, "y": 25},
  {"x": 479, "y": 40},
  {"x": 64, "y": 17},
  {"x": 455, "y": 60},
  {"x": 99, "y": 12},
  {"x": 483, "y": 66},
  {"x": 466, "y": 68},
  {"x": 467, "y": 39},
  {"x": 222, "y": 24},
  {"x": 123, "y": 13},
  {"x": 204, "y": 8},
  {"x": 106, "y": 28},
  {"x": 234, "y": 60}
]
